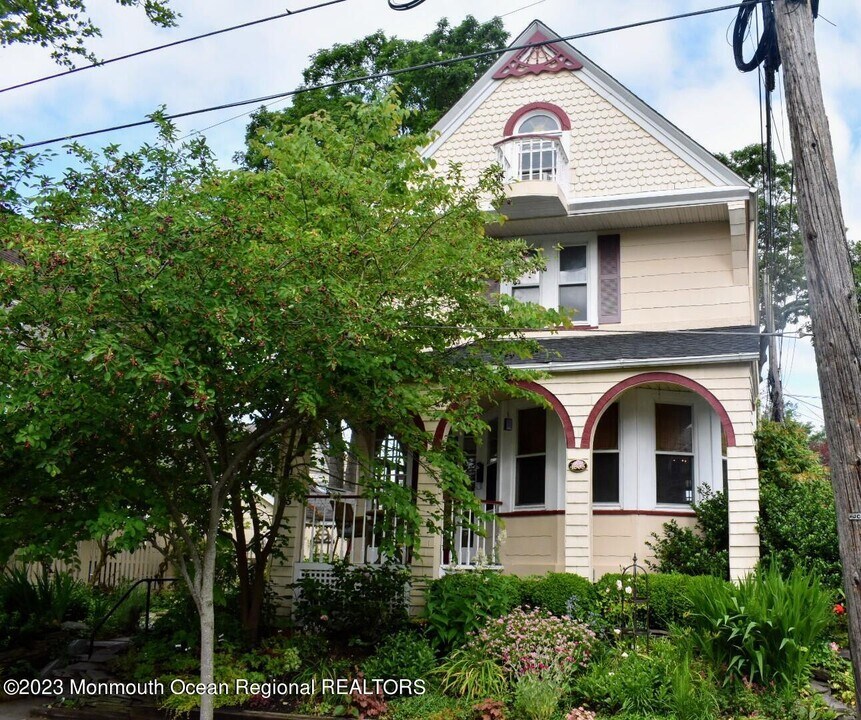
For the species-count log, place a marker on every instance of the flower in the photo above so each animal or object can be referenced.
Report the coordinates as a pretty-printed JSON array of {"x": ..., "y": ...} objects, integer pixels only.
[
  {"x": 839, "y": 609},
  {"x": 618, "y": 584},
  {"x": 628, "y": 589},
  {"x": 618, "y": 631},
  {"x": 834, "y": 647},
  {"x": 624, "y": 654},
  {"x": 324, "y": 618}
]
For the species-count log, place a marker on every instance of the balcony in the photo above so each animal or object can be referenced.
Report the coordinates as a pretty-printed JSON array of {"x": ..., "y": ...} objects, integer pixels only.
[{"x": 536, "y": 175}]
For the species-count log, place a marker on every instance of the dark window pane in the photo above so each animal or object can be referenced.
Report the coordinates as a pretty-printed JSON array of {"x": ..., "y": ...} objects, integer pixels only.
[
  {"x": 607, "y": 432},
  {"x": 673, "y": 428},
  {"x": 572, "y": 264},
  {"x": 531, "y": 431},
  {"x": 493, "y": 440},
  {"x": 530, "y": 481},
  {"x": 605, "y": 477},
  {"x": 573, "y": 297},
  {"x": 490, "y": 482},
  {"x": 675, "y": 478}
]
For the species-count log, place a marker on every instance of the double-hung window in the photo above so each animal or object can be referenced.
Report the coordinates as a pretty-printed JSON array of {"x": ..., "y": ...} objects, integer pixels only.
[
  {"x": 674, "y": 454},
  {"x": 605, "y": 457},
  {"x": 570, "y": 279},
  {"x": 531, "y": 456}
]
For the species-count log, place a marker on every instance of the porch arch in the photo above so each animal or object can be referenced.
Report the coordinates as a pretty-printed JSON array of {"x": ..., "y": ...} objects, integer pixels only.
[
  {"x": 652, "y": 377},
  {"x": 555, "y": 404}
]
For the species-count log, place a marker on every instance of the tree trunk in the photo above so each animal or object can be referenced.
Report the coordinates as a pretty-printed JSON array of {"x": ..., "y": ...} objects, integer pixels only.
[
  {"x": 207, "y": 624},
  {"x": 833, "y": 304}
]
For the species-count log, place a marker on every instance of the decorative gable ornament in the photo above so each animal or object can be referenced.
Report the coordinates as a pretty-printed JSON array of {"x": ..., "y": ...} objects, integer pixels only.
[{"x": 536, "y": 60}]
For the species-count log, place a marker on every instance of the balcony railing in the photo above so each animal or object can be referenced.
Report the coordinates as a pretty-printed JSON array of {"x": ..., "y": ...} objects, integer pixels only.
[
  {"x": 533, "y": 157},
  {"x": 473, "y": 542}
]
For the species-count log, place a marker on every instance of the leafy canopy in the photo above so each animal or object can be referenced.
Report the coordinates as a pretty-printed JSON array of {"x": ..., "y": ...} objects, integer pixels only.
[
  {"x": 64, "y": 26},
  {"x": 428, "y": 94},
  {"x": 173, "y": 321}
]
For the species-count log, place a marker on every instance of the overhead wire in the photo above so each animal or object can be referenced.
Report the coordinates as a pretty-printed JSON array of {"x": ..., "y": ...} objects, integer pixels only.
[
  {"x": 164, "y": 46},
  {"x": 384, "y": 74}
]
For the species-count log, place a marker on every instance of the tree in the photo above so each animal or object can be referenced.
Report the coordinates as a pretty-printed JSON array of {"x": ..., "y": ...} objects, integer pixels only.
[
  {"x": 192, "y": 327},
  {"x": 428, "y": 94},
  {"x": 64, "y": 25}
]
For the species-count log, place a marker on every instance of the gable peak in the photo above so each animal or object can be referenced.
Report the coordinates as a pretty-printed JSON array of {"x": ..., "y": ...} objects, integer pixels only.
[{"x": 550, "y": 57}]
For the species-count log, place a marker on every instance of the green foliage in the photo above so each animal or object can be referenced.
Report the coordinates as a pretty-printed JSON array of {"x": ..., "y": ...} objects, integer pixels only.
[
  {"x": 663, "y": 682},
  {"x": 276, "y": 657},
  {"x": 460, "y": 603},
  {"x": 471, "y": 673},
  {"x": 795, "y": 493},
  {"x": 430, "y": 706},
  {"x": 669, "y": 599},
  {"x": 536, "y": 697},
  {"x": 127, "y": 616},
  {"x": 48, "y": 599},
  {"x": 560, "y": 593},
  {"x": 428, "y": 94},
  {"x": 762, "y": 629},
  {"x": 404, "y": 655},
  {"x": 703, "y": 551},
  {"x": 362, "y": 604},
  {"x": 64, "y": 25}
]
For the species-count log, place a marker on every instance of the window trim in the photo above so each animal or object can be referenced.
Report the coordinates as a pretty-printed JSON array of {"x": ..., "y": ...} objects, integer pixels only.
[
  {"x": 548, "y": 280},
  {"x": 556, "y": 133}
]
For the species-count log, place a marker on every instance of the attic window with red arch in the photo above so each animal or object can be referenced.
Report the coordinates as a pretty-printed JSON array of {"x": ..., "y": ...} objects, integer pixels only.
[{"x": 533, "y": 147}]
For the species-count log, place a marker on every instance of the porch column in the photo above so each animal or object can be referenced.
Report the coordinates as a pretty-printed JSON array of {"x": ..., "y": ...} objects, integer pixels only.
[
  {"x": 427, "y": 559},
  {"x": 743, "y": 502},
  {"x": 578, "y": 513}
]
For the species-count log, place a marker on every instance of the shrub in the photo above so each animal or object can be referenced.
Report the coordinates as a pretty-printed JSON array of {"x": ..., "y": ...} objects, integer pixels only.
[
  {"x": 362, "y": 605},
  {"x": 560, "y": 594},
  {"x": 703, "y": 551},
  {"x": 460, "y": 603},
  {"x": 763, "y": 628},
  {"x": 405, "y": 655},
  {"x": 795, "y": 493},
  {"x": 669, "y": 599},
  {"x": 430, "y": 706},
  {"x": 661, "y": 682},
  {"x": 469, "y": 672},
  {"x": 49, "y": 599},
  {"x": 535, "y": 641},
  {"x": 489, "y": 710},
  {"x": 536, "y": 697}
]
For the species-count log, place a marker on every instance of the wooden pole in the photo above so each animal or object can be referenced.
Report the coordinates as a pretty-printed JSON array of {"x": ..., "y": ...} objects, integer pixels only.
[{"x": 833, "y": 305}]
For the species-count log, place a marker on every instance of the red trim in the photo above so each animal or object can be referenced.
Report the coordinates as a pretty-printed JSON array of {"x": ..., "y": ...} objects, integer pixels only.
[
  {"x": 561, "y": 59},
  {"x": 558, "y": 407},
  {"x": 560, "y": 114},
  {"x": 657, "y": 513},
  {"x": 650, "y": 377},
  {"x": 529, "y": 513},
  {"x": 555, "y": 403}
]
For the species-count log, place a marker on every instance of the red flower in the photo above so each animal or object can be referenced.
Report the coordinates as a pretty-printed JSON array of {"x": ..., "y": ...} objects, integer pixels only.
[{"x": 839, "y": 609}]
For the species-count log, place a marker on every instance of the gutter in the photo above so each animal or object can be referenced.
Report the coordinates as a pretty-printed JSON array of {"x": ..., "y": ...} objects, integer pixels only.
[{"x": 557, "y": 367}]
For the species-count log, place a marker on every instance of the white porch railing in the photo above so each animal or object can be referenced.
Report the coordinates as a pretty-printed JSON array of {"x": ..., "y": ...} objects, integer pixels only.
[
  {"x": 473, "y": 542},
  {"x": 533, "y": 157},
  {"x": 346, "y": 527}
]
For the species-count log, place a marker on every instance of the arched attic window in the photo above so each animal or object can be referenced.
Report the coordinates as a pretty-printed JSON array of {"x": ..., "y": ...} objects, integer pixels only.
[{"x": 532, "y": 148}]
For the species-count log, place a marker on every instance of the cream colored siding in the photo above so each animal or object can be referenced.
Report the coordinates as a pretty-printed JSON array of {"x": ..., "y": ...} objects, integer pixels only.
[
  {"x": 681, "y": 276},
  {"x": 617, "y": 538},
  {"x": 534, "y": 545},
  {"x": 609, "y": 153}
]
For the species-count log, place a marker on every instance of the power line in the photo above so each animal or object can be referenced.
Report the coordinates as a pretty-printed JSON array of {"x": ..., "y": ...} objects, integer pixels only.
[
  {"x": 138, "y": 53},
  {"x": 387, "y": 73}
]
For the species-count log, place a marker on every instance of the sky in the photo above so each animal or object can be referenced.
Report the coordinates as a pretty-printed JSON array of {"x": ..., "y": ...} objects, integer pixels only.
[{"x": 684, "y": 69}]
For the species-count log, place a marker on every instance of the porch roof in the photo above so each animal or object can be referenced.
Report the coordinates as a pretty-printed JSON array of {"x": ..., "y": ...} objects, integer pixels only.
[{"x": 591, "y": 347}]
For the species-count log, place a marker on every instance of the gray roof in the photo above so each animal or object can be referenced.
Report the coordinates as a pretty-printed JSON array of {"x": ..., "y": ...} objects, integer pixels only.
[
  {"x": 11, "y": 256},
  {"x": 604, "y": 347}
]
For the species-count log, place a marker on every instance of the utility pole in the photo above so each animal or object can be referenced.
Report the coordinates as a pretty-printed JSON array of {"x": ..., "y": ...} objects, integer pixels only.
[{"x": 833, "y": 305}]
